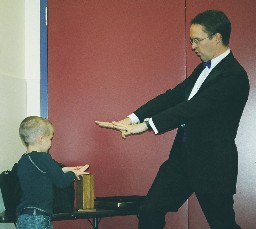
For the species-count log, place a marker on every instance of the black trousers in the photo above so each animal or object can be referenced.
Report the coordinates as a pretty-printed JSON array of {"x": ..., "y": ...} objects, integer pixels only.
[{"x": 169, "y": 191}]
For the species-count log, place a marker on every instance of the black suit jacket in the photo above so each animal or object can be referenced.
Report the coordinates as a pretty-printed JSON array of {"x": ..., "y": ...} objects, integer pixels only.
[{"x": 211, "y": 121}]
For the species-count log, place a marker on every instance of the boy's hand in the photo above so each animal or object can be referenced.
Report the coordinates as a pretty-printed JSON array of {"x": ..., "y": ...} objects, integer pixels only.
[
  {"x": 77, "y": 170},
  {"x": 82, "y": 168}
]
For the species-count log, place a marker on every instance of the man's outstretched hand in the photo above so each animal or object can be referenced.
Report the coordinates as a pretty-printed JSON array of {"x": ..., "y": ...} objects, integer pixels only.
[
  {"x": 124, "y": 126},
  {"x": 108, "y": 125}
]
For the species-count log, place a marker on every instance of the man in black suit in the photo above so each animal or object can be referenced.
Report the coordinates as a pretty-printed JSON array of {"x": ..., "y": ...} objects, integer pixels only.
[{"x": 206, "y": 108}]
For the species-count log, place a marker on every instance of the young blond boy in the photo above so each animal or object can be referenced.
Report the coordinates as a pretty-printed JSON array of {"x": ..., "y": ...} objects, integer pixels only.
[{"x": 38, "y": 174}]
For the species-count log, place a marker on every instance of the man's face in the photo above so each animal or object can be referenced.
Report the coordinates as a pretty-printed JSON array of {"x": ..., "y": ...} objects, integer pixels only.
[{"x": 204, "y": 46}]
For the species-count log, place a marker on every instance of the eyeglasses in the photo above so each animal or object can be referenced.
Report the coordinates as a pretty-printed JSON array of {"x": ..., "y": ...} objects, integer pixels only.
[{"x": 197, "y": 40}]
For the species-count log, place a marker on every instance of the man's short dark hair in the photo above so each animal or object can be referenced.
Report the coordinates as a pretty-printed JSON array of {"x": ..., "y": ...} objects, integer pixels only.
[{"x": 214, "y": 21}]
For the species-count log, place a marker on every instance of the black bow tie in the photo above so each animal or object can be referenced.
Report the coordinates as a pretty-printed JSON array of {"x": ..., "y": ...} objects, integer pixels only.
[{"x": 207, "y": 64}]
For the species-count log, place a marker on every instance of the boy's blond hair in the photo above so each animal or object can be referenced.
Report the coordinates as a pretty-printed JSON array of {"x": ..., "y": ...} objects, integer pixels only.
[{"x": 32, "y": 127}]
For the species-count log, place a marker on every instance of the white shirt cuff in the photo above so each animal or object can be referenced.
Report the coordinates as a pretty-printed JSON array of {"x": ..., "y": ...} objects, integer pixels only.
[
  {"x": 151, "y": 123},
  {"x": 134, "y": 118}
]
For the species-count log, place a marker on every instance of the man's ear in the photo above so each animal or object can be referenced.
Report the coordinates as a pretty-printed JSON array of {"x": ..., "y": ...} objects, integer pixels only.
[{"x": 218, "y": 37}]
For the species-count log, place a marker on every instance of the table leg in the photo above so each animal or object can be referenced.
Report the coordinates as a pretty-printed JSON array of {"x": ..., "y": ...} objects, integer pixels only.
[{"x": 95, "y": 222}]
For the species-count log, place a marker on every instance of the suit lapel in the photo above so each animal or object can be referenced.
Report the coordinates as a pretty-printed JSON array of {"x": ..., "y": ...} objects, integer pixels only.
[
  {"x": 216, "y": 72},
  {"x": 213, "y": 75},
  {"x": 193, "y": 77}
]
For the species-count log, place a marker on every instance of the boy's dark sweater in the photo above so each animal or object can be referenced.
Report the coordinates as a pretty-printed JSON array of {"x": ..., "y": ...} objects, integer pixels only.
[{"x": 38, "y": 175}]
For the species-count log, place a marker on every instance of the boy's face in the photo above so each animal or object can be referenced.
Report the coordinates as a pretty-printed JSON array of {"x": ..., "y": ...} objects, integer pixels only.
[{"x": 46, "y": 142}]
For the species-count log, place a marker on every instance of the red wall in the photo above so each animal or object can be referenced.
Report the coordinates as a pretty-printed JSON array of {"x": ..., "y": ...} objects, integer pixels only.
[
  {"x": 105, "y": 59},
  {"x": 108, "y": 57}
]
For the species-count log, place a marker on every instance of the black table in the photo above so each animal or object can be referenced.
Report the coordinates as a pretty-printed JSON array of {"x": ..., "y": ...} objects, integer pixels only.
[{"x": 93, "y": 215}]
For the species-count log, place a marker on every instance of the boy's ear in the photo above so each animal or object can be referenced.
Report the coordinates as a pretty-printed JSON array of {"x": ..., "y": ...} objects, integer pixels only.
[{"x": 40, "y": 139}]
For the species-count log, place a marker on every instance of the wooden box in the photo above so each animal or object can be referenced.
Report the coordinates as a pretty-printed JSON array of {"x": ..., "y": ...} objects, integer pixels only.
[{"x": 85, "y": 192}]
